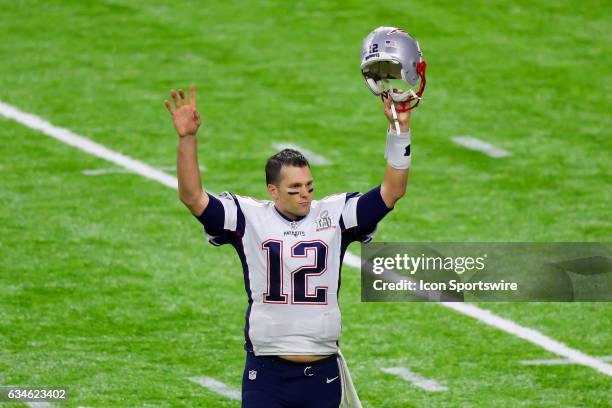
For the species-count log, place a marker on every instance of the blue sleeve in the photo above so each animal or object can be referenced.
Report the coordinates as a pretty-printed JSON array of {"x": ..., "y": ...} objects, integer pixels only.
[
  {"x": 370, "y": 210},
  {"x": 213, "y": 217}
]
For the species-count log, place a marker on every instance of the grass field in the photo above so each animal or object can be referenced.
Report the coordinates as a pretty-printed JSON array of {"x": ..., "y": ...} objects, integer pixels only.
[{"x": 107, "y": 285}]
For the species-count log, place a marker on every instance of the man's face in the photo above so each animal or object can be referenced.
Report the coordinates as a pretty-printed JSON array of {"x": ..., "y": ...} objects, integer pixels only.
[{"x": 293, "y": 195}]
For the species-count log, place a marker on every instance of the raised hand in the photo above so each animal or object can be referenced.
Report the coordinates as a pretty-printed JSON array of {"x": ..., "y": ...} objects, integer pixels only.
[
  {"x": 185, "y": 117},
  {"x": 402, "y": 117}
]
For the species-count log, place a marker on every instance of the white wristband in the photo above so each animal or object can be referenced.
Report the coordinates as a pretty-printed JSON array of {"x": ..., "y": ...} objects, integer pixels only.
[{"x": 397, "y": 149}]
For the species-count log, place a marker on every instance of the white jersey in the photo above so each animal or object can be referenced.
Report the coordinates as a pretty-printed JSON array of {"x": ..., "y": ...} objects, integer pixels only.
[{"x": 291, "y": 271}]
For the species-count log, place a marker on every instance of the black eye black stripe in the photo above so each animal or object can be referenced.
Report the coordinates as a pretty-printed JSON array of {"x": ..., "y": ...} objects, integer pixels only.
[{"x": 310, "y": 190}]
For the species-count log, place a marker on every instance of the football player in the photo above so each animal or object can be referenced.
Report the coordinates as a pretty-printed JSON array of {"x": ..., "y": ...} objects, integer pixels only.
[{"x": 291, "y": 249}]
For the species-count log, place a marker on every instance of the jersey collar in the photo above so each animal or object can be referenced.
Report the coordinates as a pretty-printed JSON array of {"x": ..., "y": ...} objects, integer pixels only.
[{"x": 289, "y": 220}]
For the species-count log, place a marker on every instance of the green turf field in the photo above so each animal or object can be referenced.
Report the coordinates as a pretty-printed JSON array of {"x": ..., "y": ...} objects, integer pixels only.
[{"x": 107, "y": 285}]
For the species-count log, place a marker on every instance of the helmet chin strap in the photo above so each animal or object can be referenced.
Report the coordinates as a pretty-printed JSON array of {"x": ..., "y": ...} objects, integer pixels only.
[
  {"x": 420, "y": 69},
  {"x": 405, "y": 98},
  {"x": 400, "y": 96}
]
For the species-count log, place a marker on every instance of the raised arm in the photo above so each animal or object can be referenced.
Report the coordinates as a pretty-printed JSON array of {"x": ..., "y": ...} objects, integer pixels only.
[
  {"x": 397, "y": 153},
  {"x": 186, "y": 121}
]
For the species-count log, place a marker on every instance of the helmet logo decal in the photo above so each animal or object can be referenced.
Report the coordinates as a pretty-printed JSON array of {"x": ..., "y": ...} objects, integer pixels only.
[{"x": 396, "y": 30}]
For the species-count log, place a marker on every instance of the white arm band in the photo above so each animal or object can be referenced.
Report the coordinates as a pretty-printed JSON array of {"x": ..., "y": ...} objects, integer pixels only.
[{"x": 397, "y": 150}]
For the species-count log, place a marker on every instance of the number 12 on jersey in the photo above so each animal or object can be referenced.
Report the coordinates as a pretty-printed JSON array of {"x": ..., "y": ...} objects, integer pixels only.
[{"x": 299, "y": 277}]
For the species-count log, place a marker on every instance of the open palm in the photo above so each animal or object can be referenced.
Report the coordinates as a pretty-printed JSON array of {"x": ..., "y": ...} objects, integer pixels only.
[{"x": 185, "y": 117}]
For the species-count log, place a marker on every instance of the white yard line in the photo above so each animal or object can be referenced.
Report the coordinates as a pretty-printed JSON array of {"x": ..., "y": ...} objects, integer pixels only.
[
  {"x": 417, "y": 380},
  {"x": 312, "y": 157},
  {"x": 531, "y": 335},
  {"x": 485, "y": 316},
  {"x": 121, "y": 170},
  {"x": 217, "y": 386},
  {"x": 558, "y": 361},
  {"x": 473, "y": 143},
  {"x": 86, "y": 145},
  {"x": 351, "y": 259}
]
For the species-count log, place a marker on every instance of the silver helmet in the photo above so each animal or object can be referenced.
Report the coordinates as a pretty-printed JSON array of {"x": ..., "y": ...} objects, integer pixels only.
[{"x": 391, "y": 53}]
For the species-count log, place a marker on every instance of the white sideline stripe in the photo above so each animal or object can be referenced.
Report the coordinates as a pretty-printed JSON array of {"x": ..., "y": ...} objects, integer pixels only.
[
  {"x": 351, "y": 259},
  {"x": 473, "y": 143},
  {"x": 483, "y": 315},
  {"x": 111, "y": 170},
  {"x": 558, "y": 361},
  {"x": 530, "y": 335},
  {"x": 82, "y": 143},
  {"x": 417, "y": 380},
  {"x": 310, "y": 155},
  {"x": 217, "y": 386}
]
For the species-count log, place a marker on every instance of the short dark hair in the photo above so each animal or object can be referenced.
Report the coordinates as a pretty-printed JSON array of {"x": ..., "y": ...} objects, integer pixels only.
[{"x": 286, "y": 157}]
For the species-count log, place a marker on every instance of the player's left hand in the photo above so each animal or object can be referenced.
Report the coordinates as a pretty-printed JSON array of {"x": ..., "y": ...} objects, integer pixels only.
[{"x": 403, "y": 117}]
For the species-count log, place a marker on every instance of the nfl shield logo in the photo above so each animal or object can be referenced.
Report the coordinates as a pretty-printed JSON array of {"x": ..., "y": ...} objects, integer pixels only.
[{"x": 252, "y": 374}]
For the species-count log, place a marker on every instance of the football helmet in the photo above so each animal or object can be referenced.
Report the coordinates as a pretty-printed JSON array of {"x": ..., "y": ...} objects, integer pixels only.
[{"x": 391, "y": 53}]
